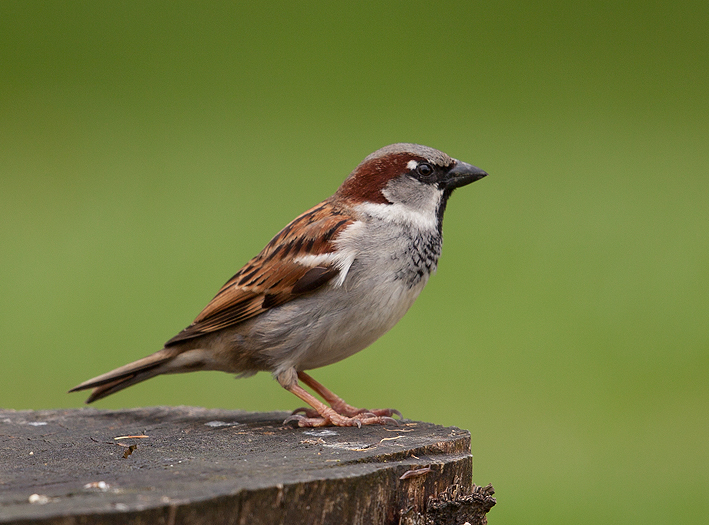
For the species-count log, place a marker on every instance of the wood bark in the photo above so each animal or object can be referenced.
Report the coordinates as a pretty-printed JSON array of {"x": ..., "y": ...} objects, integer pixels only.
[{"x": 186, "y": 465}]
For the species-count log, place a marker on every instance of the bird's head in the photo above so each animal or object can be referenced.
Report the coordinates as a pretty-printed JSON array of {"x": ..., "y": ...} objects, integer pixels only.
[{"x": 407, "y": 182}]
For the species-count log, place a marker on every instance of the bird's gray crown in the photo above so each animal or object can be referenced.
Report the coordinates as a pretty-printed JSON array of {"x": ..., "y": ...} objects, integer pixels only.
[{"x": 430, "y": 154}]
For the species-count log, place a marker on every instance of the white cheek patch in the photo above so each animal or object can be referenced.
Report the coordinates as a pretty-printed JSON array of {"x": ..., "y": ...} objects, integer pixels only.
[
  {"x": 412, "y": 164},
  {"x": 424, "y": 219}
]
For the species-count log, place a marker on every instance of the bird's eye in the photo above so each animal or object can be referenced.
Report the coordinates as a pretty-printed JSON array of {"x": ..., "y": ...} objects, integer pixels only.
[{"x": 424, "y": 169}]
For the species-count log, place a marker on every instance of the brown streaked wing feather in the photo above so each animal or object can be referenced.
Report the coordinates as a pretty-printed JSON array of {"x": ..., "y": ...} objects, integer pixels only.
[{"x": 273, "y": 277}]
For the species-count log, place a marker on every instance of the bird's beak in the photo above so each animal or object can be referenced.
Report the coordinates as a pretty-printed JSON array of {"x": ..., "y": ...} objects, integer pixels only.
[{"x": 461, "y": 174}]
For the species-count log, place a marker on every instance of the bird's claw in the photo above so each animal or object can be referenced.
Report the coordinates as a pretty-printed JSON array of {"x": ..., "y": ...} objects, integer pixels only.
[
  {"x": 396, "y": 412},
  {"x": 309, "y": 417},
  {"x": 339, "y": 421},
  {"x": 386, "y": 412}
]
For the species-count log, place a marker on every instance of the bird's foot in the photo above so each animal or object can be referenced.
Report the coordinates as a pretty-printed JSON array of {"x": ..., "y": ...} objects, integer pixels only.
[
  {"x": 338, "y": 414},
  {"x": 329, "y": 417},
  {"x": 349, "y": 411}
]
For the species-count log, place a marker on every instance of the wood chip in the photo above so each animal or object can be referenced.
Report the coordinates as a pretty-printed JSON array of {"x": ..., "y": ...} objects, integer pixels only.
[{"x": 414, "y": 473}]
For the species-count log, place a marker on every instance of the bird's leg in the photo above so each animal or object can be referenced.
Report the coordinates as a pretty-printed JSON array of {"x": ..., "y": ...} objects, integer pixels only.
[
  {"x": 324, "y": 415},
  {"x": 338, "y": 404}
]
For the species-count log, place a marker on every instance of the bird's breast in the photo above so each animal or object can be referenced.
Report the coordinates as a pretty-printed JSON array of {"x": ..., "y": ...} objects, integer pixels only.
[
  {"x": 393, "y": 252},
  {"x": 389, "y": 268}
]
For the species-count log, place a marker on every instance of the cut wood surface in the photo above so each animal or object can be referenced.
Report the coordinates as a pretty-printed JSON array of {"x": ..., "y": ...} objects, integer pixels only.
[{"x": 170, "y": 465}]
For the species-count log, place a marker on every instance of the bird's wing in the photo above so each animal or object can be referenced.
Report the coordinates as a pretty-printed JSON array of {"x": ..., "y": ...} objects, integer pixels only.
[{"x": 298, "y": 260}]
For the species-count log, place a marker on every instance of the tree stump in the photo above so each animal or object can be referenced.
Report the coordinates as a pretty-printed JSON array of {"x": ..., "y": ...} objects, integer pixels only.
[{"x": 186, "y": 465}]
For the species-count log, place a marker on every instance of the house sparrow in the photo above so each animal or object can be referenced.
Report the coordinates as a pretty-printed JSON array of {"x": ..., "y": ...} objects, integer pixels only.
[{"x": 327, "y": 285}]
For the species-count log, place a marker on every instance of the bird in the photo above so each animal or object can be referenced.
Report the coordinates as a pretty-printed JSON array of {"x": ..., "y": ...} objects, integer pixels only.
[{"x": 328, "y": 285}]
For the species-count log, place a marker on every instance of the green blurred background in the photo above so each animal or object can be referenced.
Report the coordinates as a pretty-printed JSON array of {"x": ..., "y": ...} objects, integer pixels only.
[{"x": 149, "y": 149}]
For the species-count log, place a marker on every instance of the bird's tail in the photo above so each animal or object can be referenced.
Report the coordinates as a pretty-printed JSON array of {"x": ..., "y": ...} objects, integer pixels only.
[{"x": 127, "y": 375}]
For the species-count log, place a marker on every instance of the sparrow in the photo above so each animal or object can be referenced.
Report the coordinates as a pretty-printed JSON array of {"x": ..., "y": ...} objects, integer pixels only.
[{"x": 328, "y": 285}]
